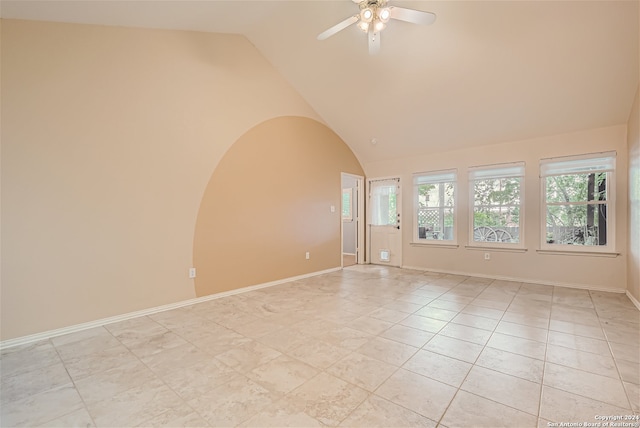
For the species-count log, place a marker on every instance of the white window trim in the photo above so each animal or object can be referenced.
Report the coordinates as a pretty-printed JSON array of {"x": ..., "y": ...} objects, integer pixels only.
[
  {"x": 453, "y": 243},
  {"x": 509, "y": 168},
  {"x": 577, "y": 253},
  {"x": 604, "y": 250},
  {"x": 497, "y": 249}
]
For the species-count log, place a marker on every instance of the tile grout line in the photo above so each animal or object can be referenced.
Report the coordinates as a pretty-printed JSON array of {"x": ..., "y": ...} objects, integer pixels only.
[
  {"x": 415, "y": 353},
  {"x": 476, "y": 360},
  {"x": 84, "y": 403},
  {"x": 371, "y": 393},
  {"x": 544, "y": 361},
  {"x": 154, "y": 373},
  {"x": 615, "y": 362},
  {"x": 583, "y": 370},
  {"x": 421, "y": 348}
]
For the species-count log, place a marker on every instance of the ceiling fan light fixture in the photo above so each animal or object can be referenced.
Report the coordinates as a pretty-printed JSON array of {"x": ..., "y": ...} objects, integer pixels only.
[
  {"x": 379, "y": 26},
  {"x": 364, "y": 26},
  {"x": 384, "y": 14},
  {"x": 366, "y": 14}
]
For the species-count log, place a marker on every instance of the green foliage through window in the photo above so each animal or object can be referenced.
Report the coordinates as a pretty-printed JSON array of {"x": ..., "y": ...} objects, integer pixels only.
[
  {"x": 576, "y": 206},
  {"x": 496, "y": 211}
]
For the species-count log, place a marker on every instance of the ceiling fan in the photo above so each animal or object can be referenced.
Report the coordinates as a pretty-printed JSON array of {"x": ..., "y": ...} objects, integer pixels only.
[{"x": 373, "y": 18}]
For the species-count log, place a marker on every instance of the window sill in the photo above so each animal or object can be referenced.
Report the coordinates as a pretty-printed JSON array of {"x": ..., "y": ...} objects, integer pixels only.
[
  {"x": 504, "y": 249},
  {"x": 577, "y": 253},
  {"x": 434, "y": 244}
]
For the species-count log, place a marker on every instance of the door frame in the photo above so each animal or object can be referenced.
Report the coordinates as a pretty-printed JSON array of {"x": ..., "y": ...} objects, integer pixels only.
[{"x": 358, "y": 218}]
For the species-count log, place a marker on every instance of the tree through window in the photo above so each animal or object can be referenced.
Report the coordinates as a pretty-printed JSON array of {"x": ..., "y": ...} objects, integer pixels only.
[{"x": 577, "y": 200}]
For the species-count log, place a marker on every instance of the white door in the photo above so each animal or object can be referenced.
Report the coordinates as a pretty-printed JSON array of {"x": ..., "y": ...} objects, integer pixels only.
[{"x": 385, "y": 236}]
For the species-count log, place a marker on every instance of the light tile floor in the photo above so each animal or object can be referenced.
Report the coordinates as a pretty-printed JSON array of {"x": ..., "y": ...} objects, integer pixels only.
[{"x": 366, "y": 346}]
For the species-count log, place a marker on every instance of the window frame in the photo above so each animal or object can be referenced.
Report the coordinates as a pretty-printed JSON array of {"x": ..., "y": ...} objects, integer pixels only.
[
  {"x": 503, "y": 170},
  {"x": 348, "y": 191},
  {"x": 584, "y": 160},
  {"x": 415, "y": 226}
]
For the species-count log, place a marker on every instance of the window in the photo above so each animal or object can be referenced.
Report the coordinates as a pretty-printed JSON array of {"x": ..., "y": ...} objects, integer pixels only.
[
  {"x": 578, "y": 202},
  {"x": 497, "y": 201},
  {"x": 434, "y": 196},
  {"x": 347, "y": 196},
  {"x": 384, "y": 209}
]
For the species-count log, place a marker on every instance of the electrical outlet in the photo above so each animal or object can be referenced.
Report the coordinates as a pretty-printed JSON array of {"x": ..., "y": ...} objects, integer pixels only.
[
  {"x": 487, "y": 256},
  {"x": 307, "y": 255},
  {"x": 192, "y": 272}
]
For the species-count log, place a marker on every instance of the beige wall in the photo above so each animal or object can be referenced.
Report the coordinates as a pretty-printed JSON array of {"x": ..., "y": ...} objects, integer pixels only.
[
  {"x": 269, "y": 202},
  {"x": 633, "y": 141},
  {"x": 594, "y": 272},
  {"x": 109, "y": 138}
]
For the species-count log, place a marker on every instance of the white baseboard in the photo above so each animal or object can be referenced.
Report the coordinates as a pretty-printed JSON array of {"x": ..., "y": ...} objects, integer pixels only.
[
  {"x": 633, "y": 300},
  {"x": 516, "y": 279},
  {"x": 24, "y": 340}
]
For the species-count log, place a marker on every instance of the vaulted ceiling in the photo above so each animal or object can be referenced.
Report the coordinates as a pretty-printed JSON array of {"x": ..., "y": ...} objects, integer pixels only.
[{"x": 484, "y": 72}]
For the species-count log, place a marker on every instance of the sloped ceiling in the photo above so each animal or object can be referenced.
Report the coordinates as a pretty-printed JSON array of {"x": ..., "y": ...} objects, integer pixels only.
[{"x": 485, "y": 72}]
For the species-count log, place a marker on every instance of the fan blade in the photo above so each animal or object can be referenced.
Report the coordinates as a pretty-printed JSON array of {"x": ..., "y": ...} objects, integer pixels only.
[
  {"x": 374, "y": 42},
  {"x": 411, "y": 15},
  {"x": 338, "y": 27}
]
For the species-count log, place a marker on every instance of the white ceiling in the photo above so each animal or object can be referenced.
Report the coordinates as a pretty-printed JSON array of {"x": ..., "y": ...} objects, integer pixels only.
[{"x": 485, "y": 72}]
